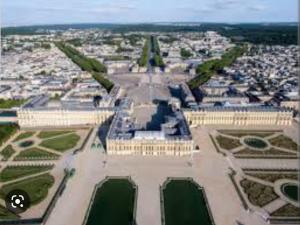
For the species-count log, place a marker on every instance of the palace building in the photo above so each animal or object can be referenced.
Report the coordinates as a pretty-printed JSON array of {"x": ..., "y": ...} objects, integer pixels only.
[
  {"x": 238, "y": 115},
  {"x": 125, "y": 137},
  {"x": 61, "y": 117},
  {"x": 39, "y": 112}
]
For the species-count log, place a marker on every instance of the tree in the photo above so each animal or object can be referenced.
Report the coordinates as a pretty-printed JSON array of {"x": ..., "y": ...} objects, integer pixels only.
[
  {"x": 87, "y": 64},
  {"x": 185, "y": 54},
  {"x": 207, "y": 69}
]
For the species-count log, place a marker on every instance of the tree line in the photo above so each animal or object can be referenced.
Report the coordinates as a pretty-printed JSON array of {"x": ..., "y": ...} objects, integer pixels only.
[
  {"x": 93, "y": 66},
  {"x": 256, "y": 33},
  {"x": 144, "y": 57},
  {"x": 207, "y": 69},
  {"x": 157, "y": 59}
]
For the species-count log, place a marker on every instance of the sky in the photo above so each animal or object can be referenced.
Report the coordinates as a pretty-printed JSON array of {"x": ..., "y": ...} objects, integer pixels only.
[{"x": 35, "y": 12}]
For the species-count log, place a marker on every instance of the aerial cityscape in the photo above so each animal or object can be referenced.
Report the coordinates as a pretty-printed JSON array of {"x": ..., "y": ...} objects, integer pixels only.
[{"x": 149, "y": 123}]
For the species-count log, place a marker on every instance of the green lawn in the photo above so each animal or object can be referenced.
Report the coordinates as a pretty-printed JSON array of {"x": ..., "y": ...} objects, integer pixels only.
[
  {"x": 36, "y": 187},
  {"x": 24, "y": 135},
  {"x": 32, "y": 153},
  {"x": 14, "y": 172},
  {"x": 6, "y": 131},
  {"x": 49, "y": 134},
  {"x": 61, "y": 143},
  {"x": 5, "y": 214},
  {"x": 185, "y": 204},
  {"x": 113, "y": 204},
  {"x": 7, "y": 152},
  {"x": 9, "y": 103}
]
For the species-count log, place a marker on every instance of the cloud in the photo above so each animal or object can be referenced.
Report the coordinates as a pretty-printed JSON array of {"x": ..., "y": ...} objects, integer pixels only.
[
  {"x": 203, "y": 9},
  {"x": 112, "y": 7},
  {"x": 213, "y": 6},
  {"x": 257, "y": 7},
  {"x": 226, "y": 4},
  {"x": 73, "y": 11},
  {"x": 81, "y": 7}
]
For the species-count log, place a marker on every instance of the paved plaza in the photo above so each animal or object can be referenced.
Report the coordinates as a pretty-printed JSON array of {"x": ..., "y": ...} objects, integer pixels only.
[{"x": 207, "y": 167}]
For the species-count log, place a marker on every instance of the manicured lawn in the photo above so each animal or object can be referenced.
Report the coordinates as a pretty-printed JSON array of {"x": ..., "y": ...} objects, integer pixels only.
[
  {"x": 48, "y": 134},
  {"x": 228, "y": 143},
  {"x": 272, "y": 177},
  {"x": 284, "y": 142},
  {"x": 5, "y": 214},
  {"x": 15, "y": 172},
  {"x": 287, "y": 210},
  {"x": 9, "y": 103},
  {"x": 24, "y": 135},
  {"x": 36, "y": 187},
  {"x": 272, "y": 152},
  {"x": 185, "y": 204},
  {"x": 32, "y": 153},
  {"x": 258, "y": 194},
  {"x": 61, "y": 143},
  {"x": 7, "y": 152},
  {"x": 6, "y": 131},
  {"x": 113, "y": 204}
]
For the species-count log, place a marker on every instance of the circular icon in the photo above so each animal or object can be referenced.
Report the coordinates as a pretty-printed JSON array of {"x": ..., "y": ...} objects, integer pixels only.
[{"x": 17, "y": 201}]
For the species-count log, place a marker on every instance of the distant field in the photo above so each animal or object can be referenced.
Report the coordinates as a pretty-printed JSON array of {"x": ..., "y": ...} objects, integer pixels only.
[
  {"x": 256, "y": 33},
  {"x": 185, "y": 204},
  {"x": 113, "y": 204}
]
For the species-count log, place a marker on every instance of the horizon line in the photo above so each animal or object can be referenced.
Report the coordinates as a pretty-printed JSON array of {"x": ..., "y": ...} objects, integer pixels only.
[{"x": 146, "y": 23}]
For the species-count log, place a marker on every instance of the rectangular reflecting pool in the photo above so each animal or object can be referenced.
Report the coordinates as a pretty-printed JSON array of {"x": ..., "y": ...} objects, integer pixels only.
[
  {"x": 113, "y": 203},
  {"x": 184, "y": 203}
]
